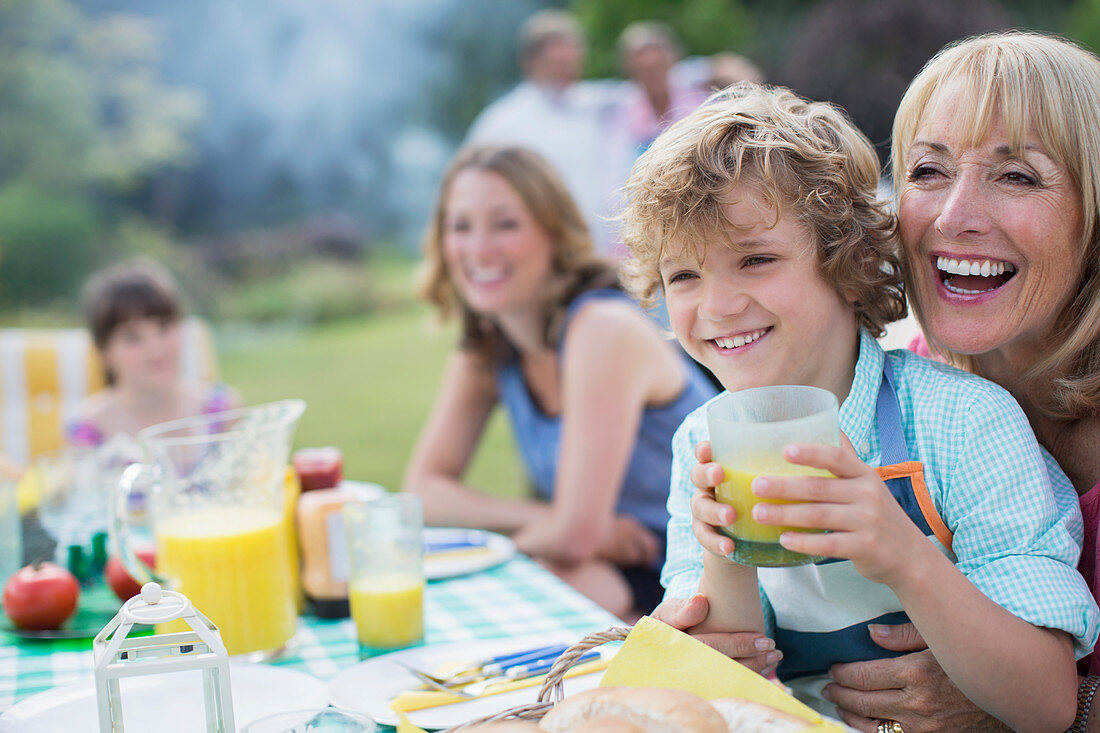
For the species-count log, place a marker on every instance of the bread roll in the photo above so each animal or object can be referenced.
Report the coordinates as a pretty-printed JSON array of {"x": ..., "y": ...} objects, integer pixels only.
[
  {"x": 609, "y": 724},
  {"x": 745, "y": 716},
  {"x": 654, "y": 710}
]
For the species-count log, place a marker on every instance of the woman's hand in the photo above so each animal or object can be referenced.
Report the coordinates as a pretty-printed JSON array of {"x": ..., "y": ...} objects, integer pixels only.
[
  {"x": 912, "y": 689},
  {"x": 630, "y": 544},
  {"x": 865, "y": 523},
  {"x": 707, "y": 514},
  {"x": 755, "y": 651}
]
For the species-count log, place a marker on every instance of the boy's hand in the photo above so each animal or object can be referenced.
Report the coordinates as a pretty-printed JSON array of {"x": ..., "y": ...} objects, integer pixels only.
[
  {"x": 866, "y": 524},
  {"x": 755, "y": 651},
  {"x": 707, "y": 514}
]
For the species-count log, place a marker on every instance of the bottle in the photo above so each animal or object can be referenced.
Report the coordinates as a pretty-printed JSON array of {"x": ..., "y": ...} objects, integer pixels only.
[{"x": 324, "y": 546}]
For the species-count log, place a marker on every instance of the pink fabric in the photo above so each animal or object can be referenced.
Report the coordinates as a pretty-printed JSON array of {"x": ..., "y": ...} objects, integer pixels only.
[
  {"x": 1088, "y": 565},
  {"x": 919, "y": 346},
  {"x": 85, "y": 433},
  {"x": 641, "y": 121}
]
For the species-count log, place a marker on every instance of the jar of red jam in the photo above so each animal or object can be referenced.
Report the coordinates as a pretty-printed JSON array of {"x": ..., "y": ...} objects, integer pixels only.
[{"x": 318, "y": 468}]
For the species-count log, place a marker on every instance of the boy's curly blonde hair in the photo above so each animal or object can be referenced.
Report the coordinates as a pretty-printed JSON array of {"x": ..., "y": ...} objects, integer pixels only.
[{"x": 805, "y": 155}]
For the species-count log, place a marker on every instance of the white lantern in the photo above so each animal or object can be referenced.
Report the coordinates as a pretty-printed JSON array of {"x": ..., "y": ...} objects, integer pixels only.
[{"x": 117, "y": 655}]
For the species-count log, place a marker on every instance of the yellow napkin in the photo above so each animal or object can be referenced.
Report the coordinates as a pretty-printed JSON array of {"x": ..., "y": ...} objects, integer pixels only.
[
  {"x": 404, "y": 726},
  {"x": 419, "y": 699},
  {"x": 657, "y": 655}
]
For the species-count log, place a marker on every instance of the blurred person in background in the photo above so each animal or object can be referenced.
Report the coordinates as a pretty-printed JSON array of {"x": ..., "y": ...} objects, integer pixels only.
[
  {"x": 134, "y": 313},
  {"x": 648, "y": 51},
  {"x": 592, "y": 389},
  {"x": 653, "y": 98},
  {"x": 559, "y": 116},
  {"x": 729, "y": 68}
]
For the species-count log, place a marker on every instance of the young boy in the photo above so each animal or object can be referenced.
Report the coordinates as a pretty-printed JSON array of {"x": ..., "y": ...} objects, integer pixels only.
[{"x": 757, "y": 218}]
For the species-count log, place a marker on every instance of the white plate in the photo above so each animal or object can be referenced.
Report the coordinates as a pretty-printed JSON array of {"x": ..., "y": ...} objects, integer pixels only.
[
  {"x": 488, "y": 549},
  {"x": 369, "y": 686},
  {"x": 167, "y": 703}
]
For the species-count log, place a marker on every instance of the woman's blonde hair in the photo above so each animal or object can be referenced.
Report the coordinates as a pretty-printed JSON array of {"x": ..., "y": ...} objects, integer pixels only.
[
  {"x": 574, "y": 263},
  {"x": 805, "y": 155},
  {"x": 1051, "y": 87}
]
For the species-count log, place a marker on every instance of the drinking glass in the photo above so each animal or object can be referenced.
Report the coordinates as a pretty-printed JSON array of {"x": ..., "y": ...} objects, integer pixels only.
[
  {"x": 385, "y": 573},
  {"x": 748, "y": 430},
  {"x": 74, "y": 486},
  {"x": 323, "y": 720}
]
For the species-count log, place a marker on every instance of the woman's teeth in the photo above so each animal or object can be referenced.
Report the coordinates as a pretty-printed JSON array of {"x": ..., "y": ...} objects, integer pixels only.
[
  {"x": 486, "y": 274},
  {"x": 740, "y": 340},
  {"x": 985, "y": 268},
  {"x": 973, "y": 277}
]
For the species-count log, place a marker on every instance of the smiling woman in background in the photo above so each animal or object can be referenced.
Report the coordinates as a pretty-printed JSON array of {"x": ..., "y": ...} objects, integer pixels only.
[{"x": 592, "y": 389}]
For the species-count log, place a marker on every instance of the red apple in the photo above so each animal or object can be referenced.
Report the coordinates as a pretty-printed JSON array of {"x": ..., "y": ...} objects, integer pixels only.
[
  {"x": 118, "y": 577},
  {"x": 41, "y": 596}
]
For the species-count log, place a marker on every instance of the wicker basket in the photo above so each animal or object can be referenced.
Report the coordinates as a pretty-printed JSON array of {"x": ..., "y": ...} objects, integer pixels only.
[{"x": 553, "y": 687}]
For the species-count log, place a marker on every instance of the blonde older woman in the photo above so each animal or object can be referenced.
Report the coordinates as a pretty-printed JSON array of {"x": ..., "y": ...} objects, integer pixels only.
[{"x": 996, "y": 157}]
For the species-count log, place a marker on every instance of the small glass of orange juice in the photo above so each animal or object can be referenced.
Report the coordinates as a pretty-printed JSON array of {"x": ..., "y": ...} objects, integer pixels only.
[
  {"x": 748, "y": 430},
  {"x": 386, "y": 578}
]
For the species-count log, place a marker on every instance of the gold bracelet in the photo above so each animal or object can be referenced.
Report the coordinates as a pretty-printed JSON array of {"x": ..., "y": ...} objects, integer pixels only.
[{"x": 1084, "y": 702}]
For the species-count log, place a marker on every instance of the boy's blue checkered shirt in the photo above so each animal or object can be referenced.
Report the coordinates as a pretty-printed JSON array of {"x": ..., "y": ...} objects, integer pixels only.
[{"x": 1014, "y": 514}]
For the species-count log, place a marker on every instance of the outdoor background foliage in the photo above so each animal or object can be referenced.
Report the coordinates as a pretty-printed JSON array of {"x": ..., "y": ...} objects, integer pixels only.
[{"x": 281, "y": 156}]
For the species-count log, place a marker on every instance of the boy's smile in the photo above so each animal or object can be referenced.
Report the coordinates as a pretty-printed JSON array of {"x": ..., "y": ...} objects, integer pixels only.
[{"x": 755, "y": 311}]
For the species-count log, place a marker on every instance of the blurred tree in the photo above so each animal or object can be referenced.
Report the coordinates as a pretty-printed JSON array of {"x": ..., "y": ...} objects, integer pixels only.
[
  {"x": 704, "y": 26},
  {"x": 85, "y": 121},
  {"x": 862, "y": 54},
  {"x": 1083, "y": 23}
]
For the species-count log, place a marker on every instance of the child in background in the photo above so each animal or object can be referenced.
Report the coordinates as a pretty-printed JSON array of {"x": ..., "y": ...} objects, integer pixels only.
[
  {"x": 757, "y": 217},
  {"x": 134, "y": 313}
]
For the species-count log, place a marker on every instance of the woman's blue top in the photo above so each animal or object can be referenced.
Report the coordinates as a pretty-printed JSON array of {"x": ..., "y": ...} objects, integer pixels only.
[{"x": 646, "y": 484}]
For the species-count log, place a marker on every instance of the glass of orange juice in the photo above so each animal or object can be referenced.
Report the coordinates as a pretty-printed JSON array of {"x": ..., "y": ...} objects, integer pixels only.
[
  {"x": 385, "y": 573},
  {"x": 748, "y": 430}
]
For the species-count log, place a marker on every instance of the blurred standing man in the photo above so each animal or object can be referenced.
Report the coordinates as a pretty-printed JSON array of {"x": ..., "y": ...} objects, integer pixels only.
[
  {"x": 560, "y": 117},
  {"x": 648, "y": 53}
]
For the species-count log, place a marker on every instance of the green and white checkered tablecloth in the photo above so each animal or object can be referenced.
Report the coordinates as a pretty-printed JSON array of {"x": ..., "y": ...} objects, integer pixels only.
[{"x": 518, "y": 598}]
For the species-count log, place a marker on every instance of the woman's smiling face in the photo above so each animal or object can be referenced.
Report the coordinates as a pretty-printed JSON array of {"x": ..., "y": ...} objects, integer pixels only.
[
  {"x": 497, "y": 253},
  {"x": 993, "y": 238}
]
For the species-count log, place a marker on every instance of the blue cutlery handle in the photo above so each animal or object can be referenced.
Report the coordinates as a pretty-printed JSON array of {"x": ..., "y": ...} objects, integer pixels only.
[
  {"x": 524, "y": 656},
  {"x": 430, "y": 547},
  {"x": 544, "y": 665}
]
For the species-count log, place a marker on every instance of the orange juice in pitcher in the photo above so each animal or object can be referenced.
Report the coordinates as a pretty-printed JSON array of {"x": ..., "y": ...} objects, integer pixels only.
[
  {"x": 206, "y": 554},
  {"x": 216, "y": 496}
]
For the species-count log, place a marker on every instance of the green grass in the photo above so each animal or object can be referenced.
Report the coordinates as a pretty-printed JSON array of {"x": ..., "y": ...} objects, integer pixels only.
[{"x": 369, "y": 384}]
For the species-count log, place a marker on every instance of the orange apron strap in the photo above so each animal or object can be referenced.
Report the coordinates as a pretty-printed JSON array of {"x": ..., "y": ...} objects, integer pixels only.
[{"x": 915, "y": 471}]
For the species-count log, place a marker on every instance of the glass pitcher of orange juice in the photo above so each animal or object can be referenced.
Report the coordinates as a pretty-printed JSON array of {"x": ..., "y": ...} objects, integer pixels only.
[{"x": 209, "y": 493}]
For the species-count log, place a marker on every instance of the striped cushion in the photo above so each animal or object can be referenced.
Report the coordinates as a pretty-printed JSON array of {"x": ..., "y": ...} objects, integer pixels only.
[{"x": 45, "y": 373}]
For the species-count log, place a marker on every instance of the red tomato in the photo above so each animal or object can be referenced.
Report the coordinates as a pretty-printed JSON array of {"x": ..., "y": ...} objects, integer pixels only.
[
  {"x": 41, "y": 596},
  {"x": 118, "y": 577}
]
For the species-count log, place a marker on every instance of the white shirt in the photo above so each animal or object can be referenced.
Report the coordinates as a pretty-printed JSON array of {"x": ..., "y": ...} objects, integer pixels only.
[{"x": 568, "y": 127}]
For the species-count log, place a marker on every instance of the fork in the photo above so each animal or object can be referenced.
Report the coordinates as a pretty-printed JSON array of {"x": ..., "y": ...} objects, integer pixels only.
[
  {"x": 430, "y": 680},
  {"x": 516, "y": 673},
  {"x": 489, "y": 666}
]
